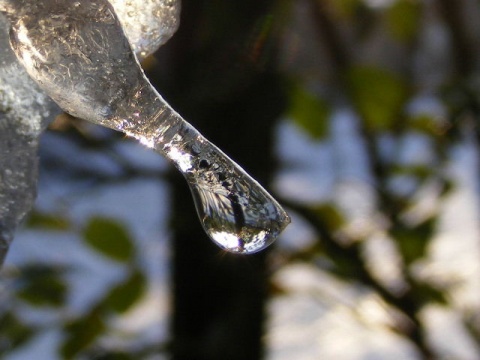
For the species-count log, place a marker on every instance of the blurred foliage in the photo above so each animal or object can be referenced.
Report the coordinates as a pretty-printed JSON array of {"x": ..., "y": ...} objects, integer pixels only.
[
  {"x": 42, "y": 285},
  {"x": 331, "y": 216},
  {"x": 378, "y": 95},
  {"x": 42, "y": 220},
  {"x": 13, "y": 332},
  {"x": 412, "y": 241},
  {"x": 346, "y": 8},
  {"x": 309, "y": 112},
  {"x": 122, "y": 297},
  {"x": 428, "y": 124},
  {"x": 380, "y": 90},
  {"x": 82, "y": 332},
  {"x": 403, "y": 19},
  {"x": 363, "y": 57},
  {"x": 45, "y": 286},
  {"x": 109, "y": 238},
  {"x": 426, "y": 294}
]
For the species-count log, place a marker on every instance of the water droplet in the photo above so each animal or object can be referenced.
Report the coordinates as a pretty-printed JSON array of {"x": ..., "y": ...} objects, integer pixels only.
[
  {"x": 236, "y": 212},
  {"x": 225, "y": 222}
]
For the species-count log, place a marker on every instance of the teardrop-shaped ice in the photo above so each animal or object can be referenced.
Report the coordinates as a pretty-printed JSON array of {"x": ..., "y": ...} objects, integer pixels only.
[
  {"x": 78, "y": 53},
  {"x": 235, "y": 211}
]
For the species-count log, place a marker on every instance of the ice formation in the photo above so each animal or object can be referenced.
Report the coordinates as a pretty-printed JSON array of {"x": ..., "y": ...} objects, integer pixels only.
[
  {"x": 25, "y": 109},
  {"x": 24, "y": 113},
  {"x": 89, "y": 69},
  {"x": 148, "y": 24}
]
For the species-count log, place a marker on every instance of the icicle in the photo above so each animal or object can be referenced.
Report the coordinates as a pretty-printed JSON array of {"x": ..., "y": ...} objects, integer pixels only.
[{"x": 78, "y": 53}]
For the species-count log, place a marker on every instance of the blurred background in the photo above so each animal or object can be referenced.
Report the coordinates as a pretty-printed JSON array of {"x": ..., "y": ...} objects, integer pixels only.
[{"x": 361, "y": 117}]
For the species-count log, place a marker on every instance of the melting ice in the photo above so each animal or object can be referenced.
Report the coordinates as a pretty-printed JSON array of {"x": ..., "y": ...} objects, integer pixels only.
[{"x": 90, "y": 71}]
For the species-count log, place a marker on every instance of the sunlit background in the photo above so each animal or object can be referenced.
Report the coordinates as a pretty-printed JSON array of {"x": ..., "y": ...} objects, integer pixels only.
[{"x": 361, "y": 117}]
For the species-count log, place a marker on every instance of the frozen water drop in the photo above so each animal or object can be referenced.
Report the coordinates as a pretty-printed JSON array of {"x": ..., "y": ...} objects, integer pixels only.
[
  {"x": 225, "y": 221},
  {"x": 235, "y": 211},
  {"x": 86, "y": 65}
]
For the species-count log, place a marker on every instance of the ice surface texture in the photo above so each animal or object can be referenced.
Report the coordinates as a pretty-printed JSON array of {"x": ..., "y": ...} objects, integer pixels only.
[
  {"x": 24, "y": 110},
  {"x": 78, "y": 53},
  {"x": 148, "y": 24}
]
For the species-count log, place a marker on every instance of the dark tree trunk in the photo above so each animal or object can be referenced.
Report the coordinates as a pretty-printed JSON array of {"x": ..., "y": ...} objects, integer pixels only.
[{"x": 221, "y": 79}]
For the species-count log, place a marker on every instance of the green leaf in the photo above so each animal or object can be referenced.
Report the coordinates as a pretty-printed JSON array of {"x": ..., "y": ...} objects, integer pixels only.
[
  {"x": 109, "y": 238},
  {"x": 344, "y": 269},
  {"x": 413, "y": 241},
  {"x": 122, "y": 297},
  {"x": 403, "y": 19},
  {"x": 83, "y": 332},
  {"x": 42, "y": 220},
  {"x": 420, "y": 172},
  {"x": 378, "y": 95},
  {"x": 345, "y": 263},
  {"x": 13, "y": 333},
  {"x": 345, "y": 8},
  {"x": 428, "y": 124},
  {"x": 309, "y": 112},
  {"x": 42, "y": 285},
  {"x": 425, "y": 294},
  {"x": 330, "y": 216}
]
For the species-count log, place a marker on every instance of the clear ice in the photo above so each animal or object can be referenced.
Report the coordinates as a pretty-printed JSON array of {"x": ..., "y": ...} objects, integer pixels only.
[
  {"x": 24, "y": 111},
  {"x": 148, "y": 24},
  {"x": 79, "y": 55}
]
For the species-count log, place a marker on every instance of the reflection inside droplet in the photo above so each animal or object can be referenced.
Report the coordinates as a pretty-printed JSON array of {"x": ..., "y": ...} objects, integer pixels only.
[
  {"x": 235, "y": 211},
  {"x": 227, "y": 241}
]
